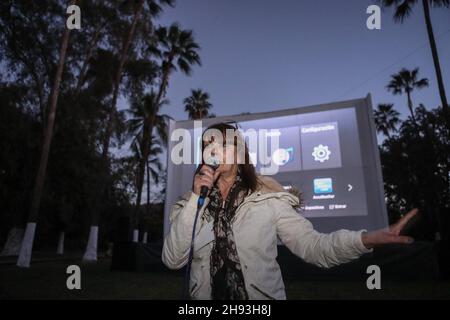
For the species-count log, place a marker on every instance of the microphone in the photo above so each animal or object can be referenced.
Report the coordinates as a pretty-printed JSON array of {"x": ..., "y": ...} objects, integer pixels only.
[{"x": 213, "y": 164}]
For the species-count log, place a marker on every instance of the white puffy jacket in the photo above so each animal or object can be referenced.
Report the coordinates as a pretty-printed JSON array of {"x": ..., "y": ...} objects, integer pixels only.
[{"x": 262, "y": 216}]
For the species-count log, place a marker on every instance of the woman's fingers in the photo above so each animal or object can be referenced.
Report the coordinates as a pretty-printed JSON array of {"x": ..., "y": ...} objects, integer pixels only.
[
  {"x": 381, "y": 237},
  {"x": 396, "y": 228},
  {"x": 206, "y": 170},
  {"x": 210, "y": 173},
  {"x": 205, "y": 177},
  {"x": 400, "y": 239},
  {"x": 206, "y": 180}
]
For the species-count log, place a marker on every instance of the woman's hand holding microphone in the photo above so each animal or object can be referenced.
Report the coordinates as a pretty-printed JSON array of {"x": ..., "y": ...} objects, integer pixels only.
[{"x": 205, "y": 177}]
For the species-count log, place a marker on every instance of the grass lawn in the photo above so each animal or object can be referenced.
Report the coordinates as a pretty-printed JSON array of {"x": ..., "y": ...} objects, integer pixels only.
[{"x": 47, "y": 280}]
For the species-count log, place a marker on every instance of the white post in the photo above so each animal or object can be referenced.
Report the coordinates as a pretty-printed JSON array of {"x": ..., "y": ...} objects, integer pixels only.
[
  {"x": 110, "y": 250},
  {"x": 135, "y": 235},
  {"x": 60, "y": 248},
  {"x": 27, "y": 246},
  {"x": 91, "y": 248},
  {"x": 437, "y": 236},
  {"x": 144, "y": 238}
]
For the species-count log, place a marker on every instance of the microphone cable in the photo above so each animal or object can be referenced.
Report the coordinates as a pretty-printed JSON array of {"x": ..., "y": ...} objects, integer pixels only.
[
  {"x": 201, "y": 200},
  {"x": 187, "y": 277}
]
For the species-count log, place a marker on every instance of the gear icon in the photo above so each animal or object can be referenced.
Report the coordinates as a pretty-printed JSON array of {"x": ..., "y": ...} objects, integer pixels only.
[{"x": 321, "y": 153}]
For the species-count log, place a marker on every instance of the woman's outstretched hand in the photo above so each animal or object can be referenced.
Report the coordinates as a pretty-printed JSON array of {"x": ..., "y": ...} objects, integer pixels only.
[{"x": 392, "y": 235}]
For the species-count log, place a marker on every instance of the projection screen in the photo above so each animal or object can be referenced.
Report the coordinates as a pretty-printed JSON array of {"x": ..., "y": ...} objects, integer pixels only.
[{"x": 329, "y": 152}]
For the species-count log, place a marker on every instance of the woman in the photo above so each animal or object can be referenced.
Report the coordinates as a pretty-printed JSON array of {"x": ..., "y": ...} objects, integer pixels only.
[{"x": 236, "y": 234}]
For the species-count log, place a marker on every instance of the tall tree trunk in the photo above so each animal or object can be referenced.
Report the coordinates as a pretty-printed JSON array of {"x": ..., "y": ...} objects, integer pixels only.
[
  {"x": 145, "y": 237},
  {"x": 148, "y": 127},
  {"x": 410, "y": 106},
  {"x": 437, "y": 67},
  {"x": 148, "y": 187},
  {"x": 163, "y": 85},
  {"x": 118, "y": 78},
  {"x": 91, "y": 247},
  {"x": 15, "y": 234},
  {"x": 88, "y": 56},
  {"x": 60, "y": 248},
  {"x": 27, "y": 242},
  {"x": 90, "y": 255},
  {"x": 144, "y": 240},
  {"x": 161, "y": 94},
  {"x": 165, "y": 78}
]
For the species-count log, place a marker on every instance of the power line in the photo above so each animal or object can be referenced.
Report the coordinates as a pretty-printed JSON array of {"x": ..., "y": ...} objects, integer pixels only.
[{"x": 389, "y": 66}]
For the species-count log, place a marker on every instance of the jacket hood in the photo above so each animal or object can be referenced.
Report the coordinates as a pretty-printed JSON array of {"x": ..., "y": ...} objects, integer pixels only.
[
  {"x": 270, "y": 188},
  {"x": 268, "y": 185}
]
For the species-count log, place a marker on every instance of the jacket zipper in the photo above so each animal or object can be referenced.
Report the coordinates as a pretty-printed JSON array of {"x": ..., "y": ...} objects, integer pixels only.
[{"x": 262, "y": 292}]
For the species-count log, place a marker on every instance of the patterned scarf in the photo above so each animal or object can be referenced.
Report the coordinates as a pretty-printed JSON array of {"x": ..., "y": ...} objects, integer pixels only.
[{"x": 227, "y": 280}]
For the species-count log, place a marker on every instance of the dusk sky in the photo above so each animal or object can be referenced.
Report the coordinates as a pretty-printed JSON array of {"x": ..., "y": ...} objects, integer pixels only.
[{"x": 270, "y": 55}]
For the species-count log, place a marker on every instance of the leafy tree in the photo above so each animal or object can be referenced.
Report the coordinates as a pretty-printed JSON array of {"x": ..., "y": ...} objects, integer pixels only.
[
  {"x": 19, "y": 141},
  {"x": 415, "y": 170},
  {"x": 30, "y": 55},
  {"x": 27, "y": 243}
]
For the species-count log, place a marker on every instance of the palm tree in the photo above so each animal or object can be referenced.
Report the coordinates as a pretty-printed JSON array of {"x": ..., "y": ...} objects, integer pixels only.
[
  {"x": 197, "y": 105},
  {"x": 405, "y": 82},
  {"x": 28, "y": 239},
  {"x": 155, "y": 8},
  {"x": 178, "y": 49},
  {"x": 403, "y": 9},
  {"x": 386, "y": 119},
  {"x": 153, "y": 165},
  {"x": 144, "y": 118}
]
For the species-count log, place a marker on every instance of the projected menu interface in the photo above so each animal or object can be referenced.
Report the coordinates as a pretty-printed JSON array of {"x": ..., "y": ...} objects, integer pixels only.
[
  {"x": 318, "y": 153},
  {"x": 320, "y": 146}
]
